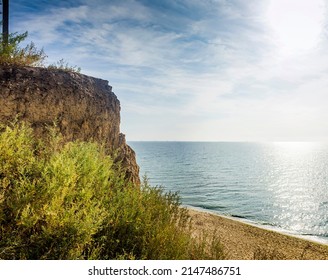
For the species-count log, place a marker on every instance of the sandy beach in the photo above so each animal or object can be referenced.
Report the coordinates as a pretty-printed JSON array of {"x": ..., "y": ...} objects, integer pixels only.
[{"x": 242, "y": 241}]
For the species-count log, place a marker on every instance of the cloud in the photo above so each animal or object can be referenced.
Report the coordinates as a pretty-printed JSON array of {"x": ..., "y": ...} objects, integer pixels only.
[{"x": 177, "y": 65}]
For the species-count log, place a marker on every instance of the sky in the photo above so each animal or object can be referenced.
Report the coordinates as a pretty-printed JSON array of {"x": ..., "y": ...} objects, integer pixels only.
[{"x": 191, "y": 70}]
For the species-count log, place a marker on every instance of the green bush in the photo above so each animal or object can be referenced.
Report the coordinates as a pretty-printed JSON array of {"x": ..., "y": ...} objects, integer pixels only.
[
  {"x": 12, "y": 54},
  {"x": 67, "y": 201}
]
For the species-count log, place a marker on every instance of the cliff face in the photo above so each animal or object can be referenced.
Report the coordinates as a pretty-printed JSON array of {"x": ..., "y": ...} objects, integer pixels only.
[{"x": 84, "y": 108}]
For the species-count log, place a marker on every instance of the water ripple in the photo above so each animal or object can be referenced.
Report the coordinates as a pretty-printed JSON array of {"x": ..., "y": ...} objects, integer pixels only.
[{"x": 280, "y": 184}]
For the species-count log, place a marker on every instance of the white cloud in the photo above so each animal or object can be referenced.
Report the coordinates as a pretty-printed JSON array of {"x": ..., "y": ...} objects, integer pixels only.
[{"x": 215, "y": 70}]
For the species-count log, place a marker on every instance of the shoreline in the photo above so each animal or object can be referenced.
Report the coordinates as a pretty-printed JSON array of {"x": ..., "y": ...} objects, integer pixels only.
[
  {"x": 311, "y": 238},
  {"x": 248, "y": 241}
]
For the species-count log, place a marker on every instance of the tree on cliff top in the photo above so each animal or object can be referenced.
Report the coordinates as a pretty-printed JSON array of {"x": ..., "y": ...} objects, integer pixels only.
[
  {"x": 12, "y": 54},
  {"x": 10, "y": 51}
]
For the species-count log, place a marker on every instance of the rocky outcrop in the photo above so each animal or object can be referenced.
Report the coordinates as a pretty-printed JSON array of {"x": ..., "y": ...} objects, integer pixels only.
[{"x": 83, "y": 107}]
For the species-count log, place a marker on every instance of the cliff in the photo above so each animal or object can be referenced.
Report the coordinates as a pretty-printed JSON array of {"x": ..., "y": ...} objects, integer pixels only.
[{"x": 84, "y": 108}]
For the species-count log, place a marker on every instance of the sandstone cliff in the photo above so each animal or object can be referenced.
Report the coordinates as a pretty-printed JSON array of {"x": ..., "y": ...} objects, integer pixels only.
[{"x": 84, "y": 108}]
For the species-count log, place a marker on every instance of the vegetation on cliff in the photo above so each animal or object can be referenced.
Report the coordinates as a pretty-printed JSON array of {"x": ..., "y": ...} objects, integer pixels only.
[
  {"x": 62, "y": 200},
  {"x": 13, "y": 54}
]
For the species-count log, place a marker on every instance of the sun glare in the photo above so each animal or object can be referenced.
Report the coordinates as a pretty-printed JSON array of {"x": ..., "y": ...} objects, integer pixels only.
[
  {"x": 296, "y": 24},
  {"x": 298, "y": 147}
]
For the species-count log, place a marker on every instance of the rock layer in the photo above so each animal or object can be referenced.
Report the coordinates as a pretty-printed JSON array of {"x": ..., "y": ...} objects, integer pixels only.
[{"x": 83, "y": 107}]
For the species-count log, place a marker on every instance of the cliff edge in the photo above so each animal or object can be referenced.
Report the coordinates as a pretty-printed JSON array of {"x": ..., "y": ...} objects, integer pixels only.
[{"x": 84, "y": 108}]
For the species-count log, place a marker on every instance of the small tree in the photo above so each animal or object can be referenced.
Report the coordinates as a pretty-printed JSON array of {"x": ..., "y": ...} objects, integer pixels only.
[{"x": 12, "y": 54}]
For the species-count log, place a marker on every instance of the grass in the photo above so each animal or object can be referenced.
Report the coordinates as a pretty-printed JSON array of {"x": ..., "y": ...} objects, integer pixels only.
[
  {"x": 268, "y": 254},
  {"x": 67, "y": 201},
  {"x": 63, "y": 65}
]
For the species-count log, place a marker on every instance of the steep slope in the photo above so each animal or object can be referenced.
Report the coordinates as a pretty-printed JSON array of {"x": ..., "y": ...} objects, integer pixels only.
[{"x": 83, "y": 107}]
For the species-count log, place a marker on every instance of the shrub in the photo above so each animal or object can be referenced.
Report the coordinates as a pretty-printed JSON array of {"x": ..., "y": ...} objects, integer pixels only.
[
  {"x": 12, "y": 54},
  {"x": 63, "y": 65},
  {"x": 66, "y": 201},
  {"x": 50, "y": 200}
]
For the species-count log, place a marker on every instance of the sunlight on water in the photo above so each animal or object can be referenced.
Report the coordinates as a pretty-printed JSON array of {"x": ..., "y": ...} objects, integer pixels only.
[
  {"x": 299, "y": 187},
  {"x": 283, "y": 184}
]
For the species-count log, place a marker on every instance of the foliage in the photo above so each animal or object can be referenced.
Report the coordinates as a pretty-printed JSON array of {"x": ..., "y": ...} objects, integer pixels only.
[
  {"x": 11, "y": 52},
  {"x": 152, "y": 225},
  {"x": 63, "y": 65},
  {"x": 66, "y": 201}
]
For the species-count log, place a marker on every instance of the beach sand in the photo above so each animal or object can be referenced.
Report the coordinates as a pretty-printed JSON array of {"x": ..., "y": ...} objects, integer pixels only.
[{"x": 242, "y": 241}]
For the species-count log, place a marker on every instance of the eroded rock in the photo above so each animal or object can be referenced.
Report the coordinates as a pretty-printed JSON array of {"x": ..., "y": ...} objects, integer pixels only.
[{"x": 83, "y": 107}]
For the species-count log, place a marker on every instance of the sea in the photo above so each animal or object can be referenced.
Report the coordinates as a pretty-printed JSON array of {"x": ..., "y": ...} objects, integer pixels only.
[{"x": 281, "y": 186}]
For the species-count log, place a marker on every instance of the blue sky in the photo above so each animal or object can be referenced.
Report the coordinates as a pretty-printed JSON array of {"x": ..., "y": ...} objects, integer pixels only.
[{"x": 210, "y": 70}]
